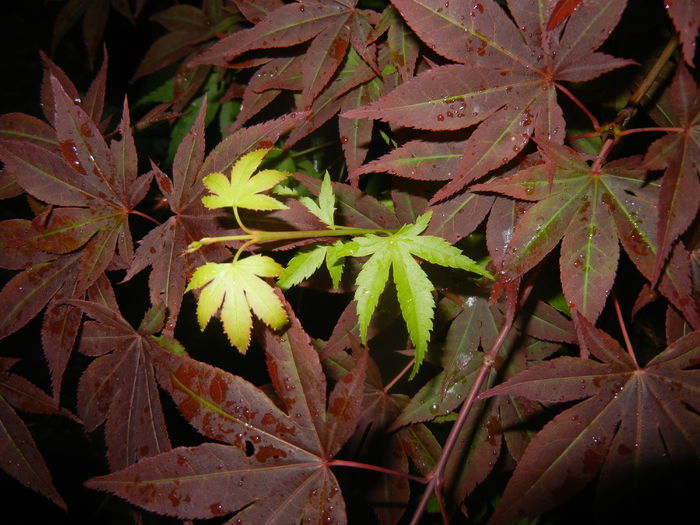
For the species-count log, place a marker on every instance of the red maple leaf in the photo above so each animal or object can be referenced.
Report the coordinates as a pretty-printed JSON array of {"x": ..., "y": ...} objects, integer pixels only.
[
  {"x": 626, "y": 417},
  {"x": 272, "y": 466},
  {"x": 507, "y": 78}
]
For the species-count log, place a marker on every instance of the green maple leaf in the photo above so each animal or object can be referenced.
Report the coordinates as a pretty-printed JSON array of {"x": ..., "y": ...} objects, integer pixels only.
[
  {"x": 413, "y": 288},
  {"x": 309, "y": 259},
  {"x": 243, "y": 189},
  {"x": 239, "y": 286},
  {"x": 325, "y": 208}
]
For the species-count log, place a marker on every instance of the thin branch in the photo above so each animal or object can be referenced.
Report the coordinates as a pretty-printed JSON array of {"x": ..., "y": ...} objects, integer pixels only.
[
  {"x": 439, "y": 469},
  {"x": 263, "y": 236},
  {"x": 654, "y": 71},
  {"x": 602, "y": 155},
  {"x": 623, "y": 328}
]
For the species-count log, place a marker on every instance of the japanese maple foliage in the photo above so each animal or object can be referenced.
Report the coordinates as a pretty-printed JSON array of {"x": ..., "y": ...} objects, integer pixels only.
[{"x": 444, "y": 253}]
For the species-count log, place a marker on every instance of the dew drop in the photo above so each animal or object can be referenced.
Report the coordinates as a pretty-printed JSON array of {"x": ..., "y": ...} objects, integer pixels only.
[{"x": 440, "y": 117}]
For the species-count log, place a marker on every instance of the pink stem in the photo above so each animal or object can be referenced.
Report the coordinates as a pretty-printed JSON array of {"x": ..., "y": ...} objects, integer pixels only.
[
  {"x": 623, "y": 328},
  {"x": 376, "y": 468},
  {"x": 591, "y": 117},
  {"x": 391, "y": 383},
  {"x": 644, "y": 130},
  {"x": 135, "y": 212}
]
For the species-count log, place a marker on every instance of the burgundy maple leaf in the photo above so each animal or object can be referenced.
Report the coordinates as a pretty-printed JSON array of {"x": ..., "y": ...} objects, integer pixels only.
[
  {"x": 507, "y": 76},
  {"x": 259, "y": 438},
  {"x": 626, "y": 417}
]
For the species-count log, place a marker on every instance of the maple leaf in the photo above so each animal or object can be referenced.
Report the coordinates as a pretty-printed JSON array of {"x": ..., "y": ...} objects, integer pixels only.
[
  {"x": 296, "y": 442},
  {"x": 332, "y": 27},
  {"x": 238, "y": 285},
  {"x": 188, "y": 27},
  {"x": 507, "y": 78},
  {"x": 93, "y": 187},
  {"x": 414, "y": 289},
  {"x": 626, "y": 417},
  {"x": 21, "y": 458},
  {"x": 307, "y": 260},
  {"x": 686, "y": 19},
  {"x": 95, "y": 14},
  {"x": 591, "y": 211},
  {"x": 475, "y": 326},
  {"x": 189, "y": 30},
  {"x": 679, "y": 154},
  {"x": 118, "y": 388},
  {"x": 324, "y": 209},
  {"x": 243, "y": 189},
  {"x": 163, "y": 248}
]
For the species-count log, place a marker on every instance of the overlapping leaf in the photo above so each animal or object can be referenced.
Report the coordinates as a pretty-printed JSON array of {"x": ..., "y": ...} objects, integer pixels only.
[
  {"x": 20, "y": 458},
  {"x": 189, "y": 30},
  {"x": 626, "y": 419},
  {"x": 507, "y": 77},
  {"x": 395, "y": 251},
  {"x": 118, "y": 388},
  {"x": 163, "y": 247},
  {"x": 293, "y": 443},
  {"x": 679, "y": 154},
  {"x": 92, "y": 185},
  {"x": 238, "y": 285},
  {"x": 476, "y": 326},
  {"x": 332, "y": 27},
  {"x": 591, "y": 211}
]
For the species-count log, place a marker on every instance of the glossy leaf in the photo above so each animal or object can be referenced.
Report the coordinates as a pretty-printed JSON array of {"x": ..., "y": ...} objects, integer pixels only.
[
  {"x": 241, "y": 290},
  {"x": 591, "y": 211},
  {"x": 679, "y": 153},
  {"x": 234, "y": 477},
  {"x": 118, "y": 388},
  {"x": 625, "y": 416},
  {"x": 414, "y": 289},
  {"x": 507, "y": 80}
]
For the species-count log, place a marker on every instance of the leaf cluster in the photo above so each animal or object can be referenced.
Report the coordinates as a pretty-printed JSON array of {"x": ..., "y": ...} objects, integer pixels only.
[{"x": 495, "y": 203}]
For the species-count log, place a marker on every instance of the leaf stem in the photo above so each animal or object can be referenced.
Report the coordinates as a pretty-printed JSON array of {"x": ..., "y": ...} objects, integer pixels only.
[
  {"x": 591, "y": 116},
  {"x": 435, "y": 477},
  {"x": 602, "y": 155},
  {"x": 264, "y": 236},
  {"x": 240, "y": 222},
  {"x": 644, "y": 130},
  {"x": 403, "y": 372},
  {"x": 148, "y": 217},
  {"x": 623, "y": 328},
  {"x": 376, "y": 468},
  {"x": 258, "y": 236},
  {"x": 204, "y": 241},
  {"x": 242, "y": 248}
]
